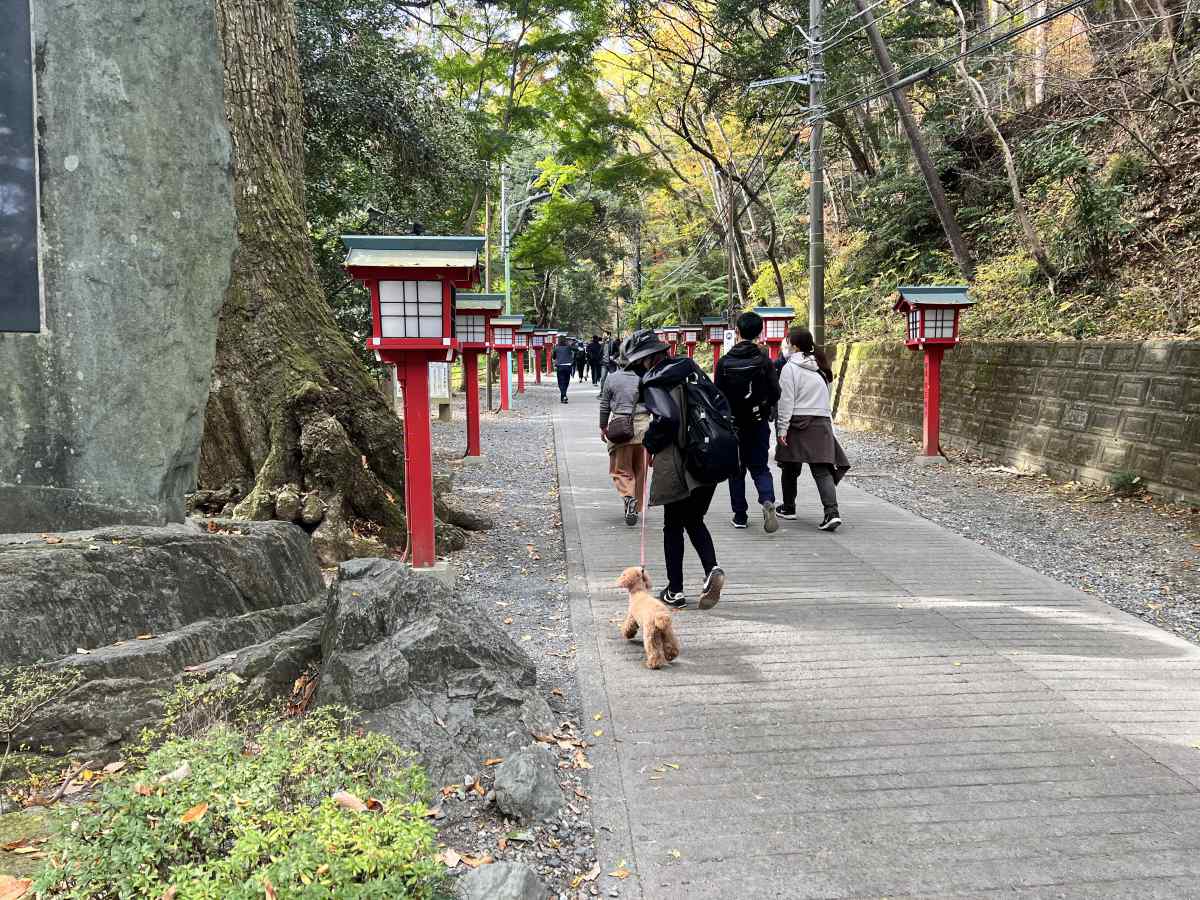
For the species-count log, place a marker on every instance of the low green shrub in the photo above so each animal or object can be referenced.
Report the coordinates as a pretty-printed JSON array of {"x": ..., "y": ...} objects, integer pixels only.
[
  {"x": 25, "y": 691},
  {"x": 219, "y": 816}
]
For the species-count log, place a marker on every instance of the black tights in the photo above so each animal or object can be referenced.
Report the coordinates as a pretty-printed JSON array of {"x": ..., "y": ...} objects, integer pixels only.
[{"x": 687, "y": 516}]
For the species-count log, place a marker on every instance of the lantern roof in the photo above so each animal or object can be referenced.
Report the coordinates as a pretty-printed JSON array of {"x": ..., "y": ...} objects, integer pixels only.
[
  {"x": 481, "y": 302},
  {"x": 413, "y": 250},
  {"x": 714, "y": 320},
  {"x": 933, "y": 295},
  {"x": 775, "y": 312},
  {"x": 513, "y": 321},
  {"x": 689, "y": 327},
  {"x": 528, "y": 329}
]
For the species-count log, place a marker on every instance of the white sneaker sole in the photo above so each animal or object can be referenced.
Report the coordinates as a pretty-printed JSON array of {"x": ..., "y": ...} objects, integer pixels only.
[{"x": 712, "y": 595}]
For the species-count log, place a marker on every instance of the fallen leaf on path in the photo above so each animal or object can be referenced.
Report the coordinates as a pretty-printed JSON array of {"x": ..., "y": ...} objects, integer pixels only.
[
  {"x": 580, "y": 760},
  {"x": 508, "y": 621},
  {"x": 493, "y": 761},
  {"x": 580, "y": 793},
  {"x": 449, "y": 858},
  {"x": 143, "y": 790},
  {"x": 169, "y": 893},
  {"x": 590, "y": 875},
  {"x": 621, "y": 873},
  {"x": 476, "y": 861},
  {"x": 179, "y": 774},
  {"x": 556, "y": 692},
  {"x": 144, "y": 637},
  {"x": 114, "y": 767},
  {"x": 346, "y": 800},
  {"x": 599, "y": 732},
  {"x": 195, "y": 814},
  {"x": 53, "y": 539}
]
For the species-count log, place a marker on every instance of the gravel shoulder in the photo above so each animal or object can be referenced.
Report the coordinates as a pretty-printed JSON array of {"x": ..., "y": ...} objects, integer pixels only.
[
  {"x": 516, "y": 573},
  {"x": 1137, "y": 553}
]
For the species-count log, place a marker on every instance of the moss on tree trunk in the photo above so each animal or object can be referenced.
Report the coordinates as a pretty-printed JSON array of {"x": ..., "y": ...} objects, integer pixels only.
[{"x": 290, "y": 402}]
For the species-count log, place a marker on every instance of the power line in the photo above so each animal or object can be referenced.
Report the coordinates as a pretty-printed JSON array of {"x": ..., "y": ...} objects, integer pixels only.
[
  {"x": 830, "y": 44},
  {"x": 913, "y": 66},
  {"x": 942, "y": 66}
]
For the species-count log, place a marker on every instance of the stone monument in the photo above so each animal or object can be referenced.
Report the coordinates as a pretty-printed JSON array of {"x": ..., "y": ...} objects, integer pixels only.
[{"x": 117, "y": 231}]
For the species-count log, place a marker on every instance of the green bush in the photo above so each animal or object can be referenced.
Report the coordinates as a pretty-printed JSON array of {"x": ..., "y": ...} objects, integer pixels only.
[{"x": 218, "y": 816}]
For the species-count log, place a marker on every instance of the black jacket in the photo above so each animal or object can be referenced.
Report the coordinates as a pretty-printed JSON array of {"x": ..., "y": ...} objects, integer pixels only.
[
  {"x": 595, "y": 352},
  {"x": 658, "y": 395},
  {"x": 749, "y": 381}
]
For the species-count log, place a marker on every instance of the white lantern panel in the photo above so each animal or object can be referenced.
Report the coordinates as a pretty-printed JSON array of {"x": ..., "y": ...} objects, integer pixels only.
[
  {"x": 410, "y": 309},
  {"x": 775, "y": 328},
  {"x": 914, "y": 324},
  {"x": 939, "y": 323},
  {"x": 502, "y": 335},
  {"x": 470, "y": 328}
]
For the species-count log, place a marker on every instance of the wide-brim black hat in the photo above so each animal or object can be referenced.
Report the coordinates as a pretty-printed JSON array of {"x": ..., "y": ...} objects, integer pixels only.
[{"x": 641, "y": 344}]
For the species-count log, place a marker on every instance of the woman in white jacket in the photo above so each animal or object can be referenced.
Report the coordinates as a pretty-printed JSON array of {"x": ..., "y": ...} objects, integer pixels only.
[{"x": 804, "y": 427}]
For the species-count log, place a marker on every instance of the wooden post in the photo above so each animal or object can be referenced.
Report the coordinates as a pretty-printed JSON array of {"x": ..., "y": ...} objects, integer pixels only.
[
  {"x": 418, "y": 460},
  {"x": 470, "y": 360},
  {"x": 933, "y": 400},
  {"x": 505, "y": 357}
]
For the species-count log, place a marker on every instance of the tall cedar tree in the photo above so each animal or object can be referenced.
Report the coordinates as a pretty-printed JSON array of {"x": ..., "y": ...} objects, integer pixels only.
[{"x": 290, "y": 401}]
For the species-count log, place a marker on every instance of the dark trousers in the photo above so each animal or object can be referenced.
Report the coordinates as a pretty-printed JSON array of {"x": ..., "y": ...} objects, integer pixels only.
[
  {"x": 579, "y": 367},
  {"x": 822, "y": 474},
  {"x": 754, "y": 445},
  {"x": 688, "y": 516},
  {"x": 595, "y": 367},
  {"x": 564, "y": 378}
]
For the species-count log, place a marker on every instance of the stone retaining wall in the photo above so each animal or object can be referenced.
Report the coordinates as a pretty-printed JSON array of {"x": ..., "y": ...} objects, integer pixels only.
[{"x": 1077, "y": 411}]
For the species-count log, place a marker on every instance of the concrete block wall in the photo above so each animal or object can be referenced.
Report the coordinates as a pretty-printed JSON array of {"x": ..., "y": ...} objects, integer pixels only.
[{"x": 1078, "y": 411}]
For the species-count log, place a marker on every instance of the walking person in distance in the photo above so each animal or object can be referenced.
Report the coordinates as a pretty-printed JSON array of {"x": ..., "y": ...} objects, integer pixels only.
[
  {"x": 804, "y": 427},
  {"x": 564, "y": 365},
  {"x": 580, "y": 360},
  {"x": 747, "y": 378},
  {"x": 674, "y": 389},
  {"x": 623, "y": 423},
  {"x": 595, "y": 357}
]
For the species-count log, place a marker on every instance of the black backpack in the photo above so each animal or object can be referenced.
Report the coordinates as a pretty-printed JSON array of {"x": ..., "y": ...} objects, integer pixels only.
[
  {"x": 744, "y": 382},
  {"x": 710, "y": 440}
]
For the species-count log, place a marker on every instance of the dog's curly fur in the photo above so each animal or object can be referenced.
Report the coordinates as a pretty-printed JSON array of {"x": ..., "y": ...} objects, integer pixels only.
[{"x": 651, "y": 615}]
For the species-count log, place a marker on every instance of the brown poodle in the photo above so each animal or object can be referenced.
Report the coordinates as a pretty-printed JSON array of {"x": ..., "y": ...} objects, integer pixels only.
[{"x": 651, "y": 615}]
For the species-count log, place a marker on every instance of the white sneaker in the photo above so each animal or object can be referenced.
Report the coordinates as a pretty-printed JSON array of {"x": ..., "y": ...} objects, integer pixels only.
[
  {"x": 770, "y": 521},
  {"x": 713, "y": 584}
]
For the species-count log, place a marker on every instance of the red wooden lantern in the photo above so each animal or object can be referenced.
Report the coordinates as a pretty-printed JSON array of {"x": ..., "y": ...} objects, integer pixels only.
[
  {"x": 776, "y": 321},
  {"x": 714, "y": 333},
  {"x": 537, "y": 344},
  {"x": 412, "y": 280},
  {"x": 473, "y": 314},
  {"x": 544, "y": 340},
  {"x": 671, "y": 336},
  {"x": 690, "y": 335},
  {"x": 524, "y": 338},
  {"x": 931, "y": 316},
  {"x": 504, "y": 339}
]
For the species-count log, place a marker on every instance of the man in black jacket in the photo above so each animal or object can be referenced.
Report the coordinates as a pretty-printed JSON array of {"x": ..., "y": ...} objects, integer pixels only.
[
  {"x": 750, "y": 383},
  {"x": 595, "y": 357}
]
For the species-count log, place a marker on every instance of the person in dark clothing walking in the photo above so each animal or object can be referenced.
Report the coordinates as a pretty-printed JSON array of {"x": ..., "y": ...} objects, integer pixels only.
[
  {"x": 595, "y": 357},
  {"x": 684, "y": 500},
  {"x": 564, "y": 365},
  {"x": 804, "y": 428},
  {"x": 749, "y": 382},
  {"x": 580, "y": 360}
]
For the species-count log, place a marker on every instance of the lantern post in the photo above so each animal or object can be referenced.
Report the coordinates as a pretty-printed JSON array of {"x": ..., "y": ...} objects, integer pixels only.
[
  {"x": 931, "y": 316},
  {"x": 714, "y": 333},
  {"x": 412, "y": 280},
  {"x": 537, "y": 340},
  {"x": 776, "y": 320},
  {"x": 523, "y": 336},
  {"x": 690, "y": 335},
  {"x": 504, "y": 339},
  {"x": 473, "y": 314},
  {"x": 671, "y": 336}
]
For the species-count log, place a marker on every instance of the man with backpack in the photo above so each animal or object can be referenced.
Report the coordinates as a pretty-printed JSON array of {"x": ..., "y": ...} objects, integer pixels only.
[
  {"x": 595, "y": 357},
  {"x": 693, "y": 448},
  {"x": 750, "y": 383}
]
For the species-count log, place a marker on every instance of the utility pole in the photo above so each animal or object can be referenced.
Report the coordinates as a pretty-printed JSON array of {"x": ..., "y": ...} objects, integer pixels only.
[
  {"x": 932, "y": 181},
  {"x": 816, "y": 193},
  {"x": 815, "y": 79}
]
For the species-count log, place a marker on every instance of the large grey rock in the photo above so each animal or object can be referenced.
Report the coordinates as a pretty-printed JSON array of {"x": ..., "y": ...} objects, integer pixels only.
[
  {"x": 151, "y": 605},
  {"x": 503, "y": 881},
  {"x": 101, "y": 412},
  {"x": 526, "y": 786},
  {"x": 111, "y": 584},
  {"x": 426, "y": 667}
]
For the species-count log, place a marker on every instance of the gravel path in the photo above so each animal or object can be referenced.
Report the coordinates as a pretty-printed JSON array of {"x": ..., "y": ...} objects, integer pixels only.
[
  {"x": 516, "y": 572},
  {"x": 1138, "y": 554}
]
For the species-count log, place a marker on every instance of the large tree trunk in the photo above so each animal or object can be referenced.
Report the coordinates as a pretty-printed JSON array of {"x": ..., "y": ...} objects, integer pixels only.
[{"x": 292, "y": 411}]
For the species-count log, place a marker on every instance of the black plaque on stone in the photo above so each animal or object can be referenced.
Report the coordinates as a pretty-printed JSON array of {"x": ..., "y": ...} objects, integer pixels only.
[{"x": 20, "y": 308}]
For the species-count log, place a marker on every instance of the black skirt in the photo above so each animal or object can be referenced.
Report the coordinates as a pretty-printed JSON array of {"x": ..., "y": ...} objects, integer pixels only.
[{"x": 811, "y": 440}]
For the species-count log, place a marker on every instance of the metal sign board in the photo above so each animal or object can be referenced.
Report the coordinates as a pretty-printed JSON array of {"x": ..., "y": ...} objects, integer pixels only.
[{"x": 20, "y": 295}]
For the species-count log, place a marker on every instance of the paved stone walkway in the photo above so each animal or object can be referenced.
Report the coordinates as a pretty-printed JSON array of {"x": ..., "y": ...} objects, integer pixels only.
[{"x": 891, "y": 711}]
